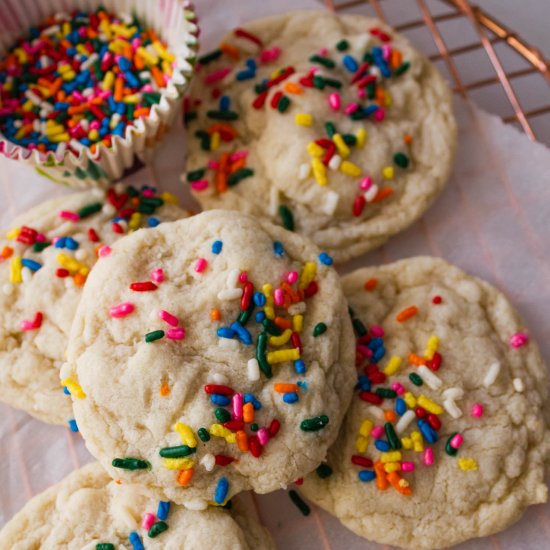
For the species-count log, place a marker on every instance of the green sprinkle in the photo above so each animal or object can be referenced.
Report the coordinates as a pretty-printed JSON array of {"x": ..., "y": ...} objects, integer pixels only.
[
  {"x": 260, "y": 88},
  {"x": 104, "y": 546},
  {"x": 451, "y": 451},
  {"x": 244, "y": 316},
  {"x": 38, "y": 247},
  {"x": 393, "y": 440},
  {"x": 349, "y": 139},
  {"x": 271, "y": 327},
  {"x": 386, "y": 392},
  {"x": 283, "y": 104},
  {"x": 403, "y": 68},
  {"x": 152, "y": 201},
  {"x": 314, "y": 424},
  {"x": 189, "y": 116},
  {"x": 368, "y": 58},
  {"x": 323, "y": 471},
  {"x": 287, "y": 217},
  {"x": 330, "y": 128},
  {"x": 371, "y": 90},
  {"x": 359, "y": 327},
  {"x": 351, "y": 313},
  {"x": 155, "y": 335},
  {"x": 358, "y": 115},
  {"x": 222, "y": 115},
  {"x": 342, "y": 46},
  {"x": 144, "y": 208},
  {"x": 130, "y": 464},
  {"x": 157, "y": 528},
  {"x": 261, "y": 347},
  {"x": 89, "y": 209},
  {"x": 401, "y": 160},
  {"x": 209, "y": 57},
  {"x": 320, "y": 328},
  {"x": 299, "y": 503},
  {"x": 222, "y": 415},
  {"x": 203, "y": 434},
  {"x": 254, "y": 427},
  {"x": 239, "y": 175},
  {"x": 415, "y": 379},
  {"x": 196, "y": 175},
  {"x": 319, "y": 82},
  {"x": 332, "y": 82},
  {"x": 325, "y": 61},
  {"x": 132, "y": 191},
  {"x": 177, "y": 452}
]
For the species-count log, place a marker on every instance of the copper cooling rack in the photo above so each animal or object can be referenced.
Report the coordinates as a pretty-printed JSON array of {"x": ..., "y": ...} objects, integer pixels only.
[{"x": 523, "y": 78}]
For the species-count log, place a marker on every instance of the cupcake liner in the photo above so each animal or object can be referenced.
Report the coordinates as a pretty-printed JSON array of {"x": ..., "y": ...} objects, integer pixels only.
[{"x": 175, "y": 23}]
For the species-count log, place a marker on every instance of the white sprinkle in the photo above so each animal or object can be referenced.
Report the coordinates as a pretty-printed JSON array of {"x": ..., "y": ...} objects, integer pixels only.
[
  {"x": 228, "y": 343},
  {"x": 273, "y": 201},
  {"x": 76, "y": 145},
  {"x": 218, "y": 378},
  {"x": 85, "y": 125},
  {"x": 519, "y": 386},
  {"x": 119, "y": 187},
  {"x": 196, "y": 504},
  {"x": 51, "y": 30},
  {"x": 404, "y": 421},
  {"x": 233, "y": 278},
  {"x": 452, "y": 408},
  {"x": 8, "y": 289},
  {"x": 297, "y": 309},
  {"x": 492, "y": 374},
  {"x": 89, "y": 62},
  {"x": 81, "y": 254},
  {"x": 108, "y": 209},
  {"x": 377, "y": 412},
  {"x": 230, "y": 294},
  {"x": 453, "y": 393},
  {"x": 208, "y": 461},
  {"x": 334, "y": 162},
  {"x": 433, "y": 381},
  {"x": 371, "y": 192},
  {"x": 19, "y": 124},
  {"x": 331, "y": 202},
  {"x": 61, "y": 148},
  {"x": 304, "y": 171},
  {"x": 253, "y": 370},
  {"x": 26, "y": 274}
]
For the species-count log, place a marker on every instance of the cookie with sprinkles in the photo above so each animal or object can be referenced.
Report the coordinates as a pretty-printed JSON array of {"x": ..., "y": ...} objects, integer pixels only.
[
  {"x": 447, "y": 435},
  {"x": 210, "y": 356},
  {"x": 45, "y": 259},
  {"x": 332, "y": 126},
  {"x": 90, "y": 510}
]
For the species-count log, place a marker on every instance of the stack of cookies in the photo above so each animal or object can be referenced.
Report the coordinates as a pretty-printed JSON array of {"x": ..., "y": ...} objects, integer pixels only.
[{"x": 203, "y": 356}]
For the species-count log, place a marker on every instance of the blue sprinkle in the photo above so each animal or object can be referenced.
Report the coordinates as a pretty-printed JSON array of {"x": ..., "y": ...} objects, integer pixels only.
[
  {"x": 249, "y": 398},
  {"x": 71, "y": 244},
  {"x": 60, "y": 106},
  {"x": 31, "y": 264},
  {"x": 251, "y": 63},
  {"x": 124, "y": 64},
  {"x": 153, "y": 222},
  {"x": 131, "y": 79},
  {"x": 135, "y": 541},
  {"x": 428, "y": 433},
  {"x": 221, "y": 490},
  {"x": 366, "y": 475},
  {"x": 217, "y": 247},
  {"x": 378, "y": 354},
  {"x": 245, "y": 75},
  {"x": 299, "y": 367},
  {"x": 220, "y": 400},
  {"x": 163, "y": 510},
  {"x": 324, "y": 258},
  {"x": 370, "y": 110},
  {"x": 66, "y": 390},
  {"x": 302, "y": 384},
  {"x": 291, "y": 397},
  {"x": 225, "y": 103},
  {"x": 375, "y": 343},
  {"x": 60, "y": 243},
  {"x": 243, "y": 334},
  {"x": 225, "y": 332},
  {"x": 259, "y": 299},
  {"x": 260, "y": 316},
  {"x": 382, "y": 446},
  {"x": 278, "y": 248},
  {"x": 400, "y": 406},
  {"x": 73, "y": 426},
  {"x": 365, "y": 386},
  {"x": 350, "y": 64}
]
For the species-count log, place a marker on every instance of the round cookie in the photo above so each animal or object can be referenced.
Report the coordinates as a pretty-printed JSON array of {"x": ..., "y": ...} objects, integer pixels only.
[
  {"x": 44, "y": 261},
  {"x": 482, "y": 393},
  {"x": 210, "y": 356},
  {"x": 88, "y": 510},
  {"x": 334, "y": 126}
]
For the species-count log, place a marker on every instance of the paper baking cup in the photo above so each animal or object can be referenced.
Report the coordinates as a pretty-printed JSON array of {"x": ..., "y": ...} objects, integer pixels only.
[{"x": 173, "y": 21}]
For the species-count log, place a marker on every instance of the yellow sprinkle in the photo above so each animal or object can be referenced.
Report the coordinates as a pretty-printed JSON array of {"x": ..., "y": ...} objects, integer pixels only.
[
  {"x": 93, "y": 135},
  {"x": 387, "y": 172},
  {"x": 106, "y": 29},
  {"x": 12, "y": 234},
  {"x": 319, "y": 171},
  {"x": 168, "y": 197},
  {"x": 280, "y": 340},
  {"x": 217, "y": 430},
  {"x": 362, "y": 444},
  {"x": 387, "y": 100},
  {"x": 215, "y": 141},
  {"x": 283, "y": 355},
  {"x": 467, "y": 464},
  {"x": 69, "y": 75},
  {"x": 315, "y": 150},
  {"x": 60, "y": 137},
  {"x": 392, "y": 467},
  {"x": 74, "y": 388},
  {"x": 366, "y": 427},
  {"x": 268, "y": 308},
  {"x": 410, "y": 399},
  {"x": 407, "y": 443},
  {"x": 394, "y": 456},
  {"x": 120, "y": 30},
  {"x": 186, "y": 434},
  {"x": 418, "y": 446},
  {"x": 53, "y": 130},
  {"x": 161, "y": 51},
  {"x": 71, "y": 264},
  {"x": 297, "y": 323},
  {"x": 178, "y": 463},
  {"x": 361, "y": 136},
  {"x": 28, "y": 105},
  {"x": 66, "y": 28},
  {"x": 393, "y": 365},
  {"x": 350, "y": 169},
  {"x": 149, "y": 57},
  {"x": 166, "y": 67},
  {"x": 343, "y": 149},
  {"x": 269, "y": 312},
  {"x": 303, "y": 119},
  {"x": 308, "y": 274},
  {"x": 135, "y": 221},
  {"x": 429, "y": 405},
  {"x": 15, "y": 270},
  {"x": 431, "y": 347},
  {"x": 131, "y": 99},
  {"x": 108, "y": 81},
  {"x": 82, "y": 50},
  {"x": 267, "y": 289}
]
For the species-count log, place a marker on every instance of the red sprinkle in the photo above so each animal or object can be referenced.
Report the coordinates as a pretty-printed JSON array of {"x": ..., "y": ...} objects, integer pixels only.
[
  {"x": 234, "y": 425},
  {"x": 362, "y": 461},
  {"x": 247, "y": 296},
  {"x": 311, "y": 289},
  {"x": 435, "y": 363},
  {"x": 370, "y": 397},
  {"x": 254, "y": 446},
  {"x": 258, "y": 103},
  {"x": 299, "y": 481},
  {"x": 433, "y": 421},
  {"x": 62, "y": 273},
  {"x": 358, "y": 205},
  {"x": 215, "y": 388},
  {"x": 143, "y": 287},
  {"x": 420, "y": 412},
  {"x": 275, "y": 99},
  {"x": 223, "y": 460},
  {"x": 241, "y": 33},
  {"x": 437, "y": 299},
  {"x": 92, "y": 235},
  {"x": 274, "y": 427},
  {"x": 296, "y": 342}
]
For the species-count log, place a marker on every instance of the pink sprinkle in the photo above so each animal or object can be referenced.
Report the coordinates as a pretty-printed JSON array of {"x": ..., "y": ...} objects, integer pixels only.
[
  {"x": 220, "y": 74},
  {"x": 148, "y": 520},
  {"x": 377, "y": 331},
  {"x": 175, "y": 333},
  {"x": 377, "y": 432},
  {"x": 200, "y": 265},
  {"x": 34, "y": 324},
  {"x": 40, "y": 238},
  {"x": 366, "y": 183},
  {"x": 148, "y": 88},
  {"x": 407, "y": 466},
  {"x": 104, "y": 251},
  {"x": 121, "y": 310},
  {"x": 386, "y": 51},
  {"x": 237, "y": 404},
  {"x": 243, "y": 277},
  {"x": 213, "y": 164},
  {"x": 380, "y": 114},
  {"x": 361, "y": 94},
  {"x": 238, "y": 155},
  {"x": 199, "y": 185},
  {"x": 270, "y": 55},
  {"x": 169, "y": 318},
  {"x": 519, "y": 339},
  {"x": 292, "y": 277},
  {"x": 157, "y": 275},
  {"x": 95, "y": 125},
  {"x": 278, "y": 296},
  {"x": 334, "y": 101},
  {"x": 477, "y": 410},
  {"x": 148, "y": 193},
  {"x": 398, "y": 388},
  {"x": 363, "y": 350},
  {"x": 263, "y": 436},
  {"x": 351, "y": 108},
  {"x": 323, "y": 51},
  {"x": 457, "y": 441},
  {"x": 66, "y": 215},
  {"x": 27, "y": 325},
  {"x": 429, "y": 456}
]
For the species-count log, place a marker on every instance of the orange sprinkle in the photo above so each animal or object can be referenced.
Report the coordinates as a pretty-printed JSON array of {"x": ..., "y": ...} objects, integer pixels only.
[
  {"x": 416, "y": 359},
  {"x": 224, "y": 130},
  {"x": 390, "y": 415},
  {"x": 141, "y": 112},
  {"x": 384, "y": 193},
  {"x": 184, "y": 476},
  {"x": 248, "y": 413},
  {"x": 42, "y": 147},
  {"x": 242, "y": 439},
  {"x": 294, "y": 296},
  {"x": 7, "y": 251},
  {"x": 371, "y": 284},
  {"x": 158, "y": 76},
  {"x": 79, "y": 279},
  {"x": 237, "y": 165},
  {"x": 380, "y": 95},
  {"x": 230, "y": 50},
  {"x": 139, "y": 62},
  {"x": 399, "y": 484},
  {"x": 118, "y": 482},
  {"x": 119, "y": 87},
  {"x": 285, "y": 388},
  {"x": 381, "y": 476},
  {"x": 165, "y": 389},
  {"x": 293, "y": 88},
  {"x": 221, "y": 182},
  {"x": 283, "y": 323},
  {"x": 396, "y": 59},
  {"x": 406, "y": 314},
  {"x": 77, "y": 109},
  {"x": 408, "y": 139},
  {"x": 215, "y": 314}
]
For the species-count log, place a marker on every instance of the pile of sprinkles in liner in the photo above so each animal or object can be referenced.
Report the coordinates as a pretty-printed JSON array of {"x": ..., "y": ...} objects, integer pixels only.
[
  {"x": 79, "y": 79},
  {"x": 331, "y": 72},
  {"x": 268, "y": 321}
]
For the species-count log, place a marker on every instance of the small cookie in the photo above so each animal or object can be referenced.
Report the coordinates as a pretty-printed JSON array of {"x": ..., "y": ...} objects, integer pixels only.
[
  {"x": 211, "y": 356},
  {"x": 446, "y": 438},
  {"x": 88, "y": 510},
  {"x": 43, "y": 264},
  {"x": 334, "y": 126}
]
